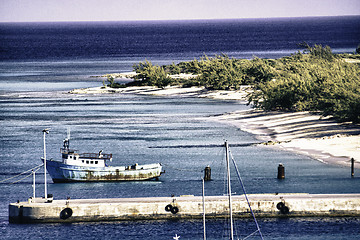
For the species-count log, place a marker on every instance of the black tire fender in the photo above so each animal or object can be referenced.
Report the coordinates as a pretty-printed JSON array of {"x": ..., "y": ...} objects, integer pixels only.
[
  {"x": 66, "y": 213},
  {"x": 285, "y": 210},
  {"x": 174, "y": 210},
  {"x": 280, "y": 205},
  {"x": 169, "y": 208}
]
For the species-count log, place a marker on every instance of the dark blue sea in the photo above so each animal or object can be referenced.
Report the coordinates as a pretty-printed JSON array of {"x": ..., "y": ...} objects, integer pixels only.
[{"x": 41, "y": 62}]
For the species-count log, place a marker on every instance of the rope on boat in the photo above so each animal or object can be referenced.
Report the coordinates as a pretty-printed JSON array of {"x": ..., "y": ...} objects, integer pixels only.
[
  {"x": 31, "y": 169},
  {"x": 248, "y": 202}
]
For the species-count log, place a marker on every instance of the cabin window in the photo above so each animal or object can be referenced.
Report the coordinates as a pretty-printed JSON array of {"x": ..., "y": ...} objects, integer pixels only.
[
  {"x": 87, "y": 162},
  {"x": 82, "y": 161},
  {"x": 96, "y": 162},
  {"x": 92, "y": 162},
  {"x": 70, "y": 157}
]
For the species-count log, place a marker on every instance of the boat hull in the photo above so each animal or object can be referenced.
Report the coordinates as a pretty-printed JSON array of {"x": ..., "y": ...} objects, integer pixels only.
[{"x": 61, "y": 173}]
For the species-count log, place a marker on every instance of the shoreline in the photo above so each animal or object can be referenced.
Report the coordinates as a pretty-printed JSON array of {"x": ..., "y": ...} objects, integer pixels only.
[{"x": 304, "y": 133}]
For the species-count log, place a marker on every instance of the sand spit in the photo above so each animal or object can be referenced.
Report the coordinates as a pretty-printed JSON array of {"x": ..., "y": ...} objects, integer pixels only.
[
  {"x": 302, "y": 132},
  {"x": 239, "y": 95}
]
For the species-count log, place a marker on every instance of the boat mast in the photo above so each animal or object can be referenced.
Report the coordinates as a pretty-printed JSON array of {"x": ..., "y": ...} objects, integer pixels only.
[
  {"x": 229, "y": 190},
  {"x": 45, "y": 131},
  {"x": 67, "y": 141}
]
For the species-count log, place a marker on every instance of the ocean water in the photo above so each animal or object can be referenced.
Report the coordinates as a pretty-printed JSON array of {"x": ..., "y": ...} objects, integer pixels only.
[{"x": 41, "y": 62}]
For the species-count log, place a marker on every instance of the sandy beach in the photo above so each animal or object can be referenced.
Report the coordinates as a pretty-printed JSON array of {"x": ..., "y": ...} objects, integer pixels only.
[{"x": 302, "y": 132}]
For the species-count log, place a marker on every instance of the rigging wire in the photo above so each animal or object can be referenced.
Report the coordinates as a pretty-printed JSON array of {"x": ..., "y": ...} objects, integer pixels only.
[
  {"x": 248, "y": 202},
  {"x": 250, "y": 235},
  {"x": 31, "y": 169},
  {"x": 22, "y": 178}
]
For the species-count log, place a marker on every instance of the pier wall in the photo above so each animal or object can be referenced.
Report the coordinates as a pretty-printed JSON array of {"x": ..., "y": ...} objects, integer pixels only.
[{"x": 263, "y": 205}]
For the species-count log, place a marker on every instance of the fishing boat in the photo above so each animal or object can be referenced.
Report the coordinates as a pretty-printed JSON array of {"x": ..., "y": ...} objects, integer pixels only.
[{"x": 93, "y": 167}]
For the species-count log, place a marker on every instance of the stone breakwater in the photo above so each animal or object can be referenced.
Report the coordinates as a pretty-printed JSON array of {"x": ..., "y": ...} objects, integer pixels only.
[{"x": 184, "y": 207}]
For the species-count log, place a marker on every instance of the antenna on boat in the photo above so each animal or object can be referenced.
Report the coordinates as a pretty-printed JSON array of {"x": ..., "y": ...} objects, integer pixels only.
[
  {"x": 45, "y": 131},
  {"x": 67, "y": 140}
]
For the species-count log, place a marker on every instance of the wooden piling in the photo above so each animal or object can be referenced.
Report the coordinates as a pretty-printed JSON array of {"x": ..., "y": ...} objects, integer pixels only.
[
  {"x": 281, "y": 171},
  {"x": 352, "y": 166},
  {"x": 207, "y": 173}
]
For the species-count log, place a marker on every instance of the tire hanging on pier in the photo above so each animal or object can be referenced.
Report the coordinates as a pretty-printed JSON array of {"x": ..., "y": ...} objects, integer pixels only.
[
  {"x": 174, "y": 210},
  {"x": 283, "y": 209},
  {"x": 168, "y": 208},
  {"x": 280, "y": 205},
  {"x": 66, "y": 213}
]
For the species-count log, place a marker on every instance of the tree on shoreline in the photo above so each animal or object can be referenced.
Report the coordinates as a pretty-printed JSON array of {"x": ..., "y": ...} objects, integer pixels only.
[{"x": 151, "y": 75}]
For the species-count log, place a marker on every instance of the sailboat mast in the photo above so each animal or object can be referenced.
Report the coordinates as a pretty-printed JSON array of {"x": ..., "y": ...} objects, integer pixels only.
[
  {"x": 229, "y": 190},
  {"x": 203, "y": 200}
]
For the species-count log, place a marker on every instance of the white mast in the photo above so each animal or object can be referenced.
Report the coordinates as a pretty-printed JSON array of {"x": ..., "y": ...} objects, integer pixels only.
[
  {"x": 229, "y": 190},
  {"x": 45, "y": 131},
  {"x": 203, "y": 200}
]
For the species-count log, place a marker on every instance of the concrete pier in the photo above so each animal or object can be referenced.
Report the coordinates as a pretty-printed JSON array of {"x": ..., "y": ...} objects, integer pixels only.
[{"x": 264, "y": 205}]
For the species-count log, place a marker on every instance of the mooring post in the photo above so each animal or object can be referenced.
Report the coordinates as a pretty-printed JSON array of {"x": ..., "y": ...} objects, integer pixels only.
[
  {"x": 281, "y": 171},
  {"x": 352, "y": 166},
  {"x": 207, "y": 173}
]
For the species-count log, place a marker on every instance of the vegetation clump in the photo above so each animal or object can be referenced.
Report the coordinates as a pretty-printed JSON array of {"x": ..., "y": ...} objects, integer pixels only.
[{"x": 312, "y": 80}]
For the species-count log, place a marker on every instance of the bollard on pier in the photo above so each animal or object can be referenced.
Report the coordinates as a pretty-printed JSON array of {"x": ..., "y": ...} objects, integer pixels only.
[{"x": 281, "y": 171}]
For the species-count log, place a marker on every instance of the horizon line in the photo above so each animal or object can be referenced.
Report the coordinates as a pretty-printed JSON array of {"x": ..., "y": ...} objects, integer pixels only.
[{"x": 177, "y": 20}]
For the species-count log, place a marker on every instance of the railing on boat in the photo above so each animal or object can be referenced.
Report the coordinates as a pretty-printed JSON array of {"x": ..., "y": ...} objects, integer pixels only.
[
  {"x": 96, "y": 155},
  {"x": 106, "y": 156}
]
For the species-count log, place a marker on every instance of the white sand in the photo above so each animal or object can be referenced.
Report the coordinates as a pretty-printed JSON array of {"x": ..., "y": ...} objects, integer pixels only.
[
  {"x": 170, "y": 91},
  {"x": 302, "y": 132}
]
